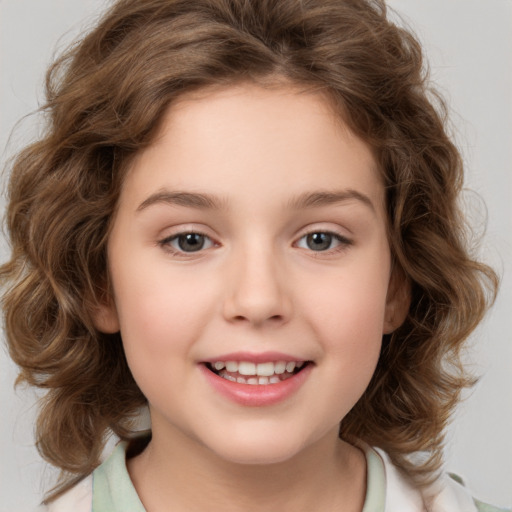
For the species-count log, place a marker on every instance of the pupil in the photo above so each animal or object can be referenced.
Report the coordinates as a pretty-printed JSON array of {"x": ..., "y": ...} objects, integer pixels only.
[
  {"x": 319, "y": 241},
  {"x": 191, "y": 242}
]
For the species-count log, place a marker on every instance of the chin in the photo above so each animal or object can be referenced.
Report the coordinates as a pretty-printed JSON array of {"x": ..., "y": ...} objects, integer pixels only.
[
  {"x": 258, "y": 457},
  {"x": 260, "y": 449}
]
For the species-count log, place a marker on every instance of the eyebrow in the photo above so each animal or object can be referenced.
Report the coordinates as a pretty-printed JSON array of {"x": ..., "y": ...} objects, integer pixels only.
[
  {"x": 326, "y": 198},
  {"x": 186, "y": 199},
  {"x": 203, "y": 201}
]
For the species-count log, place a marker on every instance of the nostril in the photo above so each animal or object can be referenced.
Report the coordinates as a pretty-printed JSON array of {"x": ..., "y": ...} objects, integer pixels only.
[{"x": 258, "y": 320}]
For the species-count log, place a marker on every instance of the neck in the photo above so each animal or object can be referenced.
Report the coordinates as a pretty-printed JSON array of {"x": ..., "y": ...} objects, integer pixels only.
[{"x": 328, "y": 475}]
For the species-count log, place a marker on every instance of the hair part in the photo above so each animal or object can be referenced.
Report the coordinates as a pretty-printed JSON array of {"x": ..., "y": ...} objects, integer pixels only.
[{"x": 105, "y": 101}]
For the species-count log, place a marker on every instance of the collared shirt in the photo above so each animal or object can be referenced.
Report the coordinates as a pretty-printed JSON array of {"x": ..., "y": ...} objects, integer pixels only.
[
  {"x": 110, "y": 489},
  {"x": 114, "y": 491}
]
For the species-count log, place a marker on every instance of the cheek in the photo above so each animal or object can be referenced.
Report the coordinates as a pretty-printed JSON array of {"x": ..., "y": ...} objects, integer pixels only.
[
  {"x": 347, "y": 312},
  {"x": 160, "y": 314},
  {"x": 351, "y": 303},
  {"x": 159, "y": 325},
  {"x": 351, "y": 336}
]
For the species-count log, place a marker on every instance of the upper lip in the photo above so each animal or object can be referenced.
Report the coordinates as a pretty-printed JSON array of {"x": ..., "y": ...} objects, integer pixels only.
[{"x": 253, "y": 357}]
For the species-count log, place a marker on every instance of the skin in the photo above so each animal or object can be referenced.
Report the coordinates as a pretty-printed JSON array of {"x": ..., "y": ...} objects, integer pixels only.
[{"x": 256, "y": 286}]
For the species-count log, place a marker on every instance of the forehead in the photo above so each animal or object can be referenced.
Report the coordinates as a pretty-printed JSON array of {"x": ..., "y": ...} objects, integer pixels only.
[{"x": 242, "y": 138}]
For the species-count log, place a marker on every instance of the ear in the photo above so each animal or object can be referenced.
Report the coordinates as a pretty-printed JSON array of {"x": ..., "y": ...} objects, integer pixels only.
[
  {"x": 398, "y": 301},
  {"x": 105, "y": 317}
]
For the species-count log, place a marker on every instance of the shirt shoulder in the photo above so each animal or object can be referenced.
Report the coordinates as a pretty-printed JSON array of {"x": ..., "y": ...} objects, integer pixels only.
[
  {"x": 107, "y": 489},
  {"x": 457, "y": 482},
  {"x": 446, "y": 494},
  {"x": 77, "y": 499},
  {"x": 480, "y": 505},
  {"x": 484, "y": 507}
]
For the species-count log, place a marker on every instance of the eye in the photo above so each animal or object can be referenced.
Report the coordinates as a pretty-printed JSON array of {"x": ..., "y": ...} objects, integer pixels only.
[
  {"x": 322, "y": 241},
  {"x": 188, "y": 242}
]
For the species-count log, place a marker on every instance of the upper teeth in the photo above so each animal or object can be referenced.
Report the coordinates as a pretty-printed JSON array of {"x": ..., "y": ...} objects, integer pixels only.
[{"x": 260, "y": 369}]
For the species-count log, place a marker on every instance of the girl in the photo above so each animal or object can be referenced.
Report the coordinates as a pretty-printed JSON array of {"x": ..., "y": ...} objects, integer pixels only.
[{"x": 243, "y": 216}]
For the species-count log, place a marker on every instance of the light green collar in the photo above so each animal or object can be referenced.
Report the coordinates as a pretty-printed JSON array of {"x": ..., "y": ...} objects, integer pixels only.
[{"x": 113, "y": 490}]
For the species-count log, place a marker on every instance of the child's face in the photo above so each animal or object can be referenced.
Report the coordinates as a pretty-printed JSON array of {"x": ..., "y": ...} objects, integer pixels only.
[{"x": 286, "y": 259}]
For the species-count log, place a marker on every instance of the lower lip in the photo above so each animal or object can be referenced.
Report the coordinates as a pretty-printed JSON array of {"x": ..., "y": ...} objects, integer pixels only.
[{"x": 257, "y": 395}]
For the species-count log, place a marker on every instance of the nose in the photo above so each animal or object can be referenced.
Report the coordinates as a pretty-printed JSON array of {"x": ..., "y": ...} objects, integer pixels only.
[{"x": 257, "y": 293}]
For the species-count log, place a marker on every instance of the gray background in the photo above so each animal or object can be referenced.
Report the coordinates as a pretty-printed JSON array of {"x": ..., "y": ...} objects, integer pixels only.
[{"x": 469, "y": 45}]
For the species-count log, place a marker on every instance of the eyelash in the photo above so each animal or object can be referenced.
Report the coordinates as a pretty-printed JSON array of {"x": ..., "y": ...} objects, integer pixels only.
[
  {"x": 166, "y": 243},
  {"x": 343, "y": 242}
]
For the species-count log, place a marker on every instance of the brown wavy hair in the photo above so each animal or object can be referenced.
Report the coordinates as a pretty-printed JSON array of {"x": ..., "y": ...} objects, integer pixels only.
[{"x": 105, "y": 99}]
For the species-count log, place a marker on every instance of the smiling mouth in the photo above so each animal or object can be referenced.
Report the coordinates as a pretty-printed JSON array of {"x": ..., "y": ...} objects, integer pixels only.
[{"x": 246, "y": 372}]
